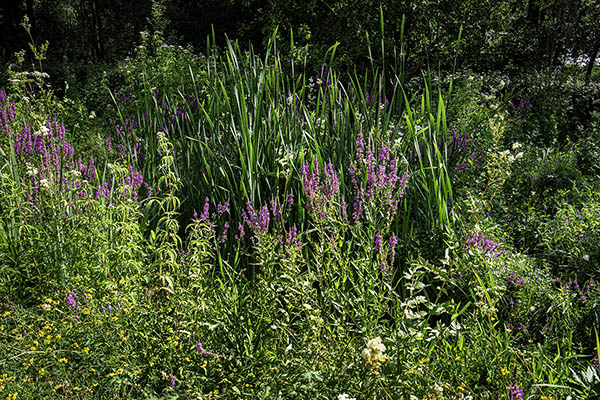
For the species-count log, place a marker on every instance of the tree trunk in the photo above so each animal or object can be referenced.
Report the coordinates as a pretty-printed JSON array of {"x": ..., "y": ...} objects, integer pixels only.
[
  {"x": 593, "y": 54},
  {"x": 98, "y": 40}
]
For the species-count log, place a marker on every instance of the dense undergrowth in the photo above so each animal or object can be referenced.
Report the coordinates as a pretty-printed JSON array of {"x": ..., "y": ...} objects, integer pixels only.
[{"x": 231, "y": 226}]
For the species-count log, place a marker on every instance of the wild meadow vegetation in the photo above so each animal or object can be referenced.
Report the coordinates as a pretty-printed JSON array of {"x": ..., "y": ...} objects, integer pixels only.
[{"x": 226, "y": 224}]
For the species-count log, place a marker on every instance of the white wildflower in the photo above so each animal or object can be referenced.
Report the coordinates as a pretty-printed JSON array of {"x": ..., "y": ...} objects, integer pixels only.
[
  {"x": 516, "y": 146},
  {"x": 92, "y": 115},
  {"x": 519, "y": 155},
  {"x": 373, "y": 354},
  {"x": 45, "y": 184},
  {"x": 436, "y": 393},
  {"x": 344, "y": 396},
  {"x": 44, "y": 130},
  {"x": 38, "y": 74},
  {"x": 74, "y": 172},
  {"x": 31, "y": 171}
]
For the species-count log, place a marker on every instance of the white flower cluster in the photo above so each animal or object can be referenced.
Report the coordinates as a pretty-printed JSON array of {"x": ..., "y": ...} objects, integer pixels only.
[
  {"x": 373, "y": 354},
  {"x": 44, "y": 130},
  {"x": 344, "y": 396},
  {"x": 32, "y": 171},
  {"x": 509, "y": 157}
]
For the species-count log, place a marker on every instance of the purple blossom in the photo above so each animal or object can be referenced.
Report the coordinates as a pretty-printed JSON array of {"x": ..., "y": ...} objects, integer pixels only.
[
  {"x": 393, "y": 241},
  {"x": 320, "y": 187},
  {"x": 203, "y": 352},
  {"x": 241, "y": 231},
  {"x": 71, "y": 300},
  {"x": 258, "y": 222},
  {"x": 376, "y": 180},
  {"x": 483, "y": 245},
  {"x": 513, "y": 281},
  {"x": 516, "y": 393},
  {"x": 222, "y": 208},
  {"x": 292, "y": 237},
  {"x": 224, "y": 235},
  {"x": 378, "y": 240},
  {"x": 205, "y": 211}
]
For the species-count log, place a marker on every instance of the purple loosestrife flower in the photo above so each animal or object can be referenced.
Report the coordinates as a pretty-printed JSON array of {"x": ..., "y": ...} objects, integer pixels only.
[
  {"x": 224, "y": 235},
  {"x": 393, "y": 241},
  {"x": 241, "y": 231},
  {"x": 320, "y": 187},
  {"x": 291, "y": 238},
  {"x": 516, "y": 393},
  {"x": 378, "y": 240},
  {"x": 257, "y": 222},
  {"x": 7, "y": 111},
  {"x": 513, "y": 281},
  {"x": 275, "y": 208},
  {"x": 263, "y": 219},
  {"x": 376, "y": 181},
  {"x": 203, "y": 352},
  {"x": 71, "y": 300},
  {"x": 483, "y": 245},
  {"x": 205, "y": 211},
  {"x": 222, "y": 208}
]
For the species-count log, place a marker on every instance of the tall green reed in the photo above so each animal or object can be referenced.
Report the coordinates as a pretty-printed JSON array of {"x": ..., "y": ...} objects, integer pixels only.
[{"x": 242, "y": 125}]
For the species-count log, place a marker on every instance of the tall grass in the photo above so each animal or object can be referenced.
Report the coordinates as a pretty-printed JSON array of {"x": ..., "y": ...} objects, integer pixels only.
[{"x": 243, "y": 125}]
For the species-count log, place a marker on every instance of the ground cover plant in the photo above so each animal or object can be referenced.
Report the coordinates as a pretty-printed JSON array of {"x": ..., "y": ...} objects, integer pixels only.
[{"x": 224, "y": 224}]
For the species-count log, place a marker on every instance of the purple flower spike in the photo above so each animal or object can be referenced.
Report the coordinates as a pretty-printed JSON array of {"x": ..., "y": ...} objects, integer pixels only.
[{"x": 516, "y": 393}]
